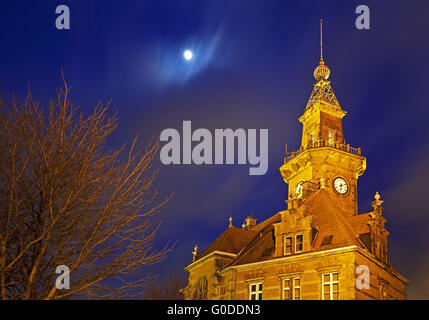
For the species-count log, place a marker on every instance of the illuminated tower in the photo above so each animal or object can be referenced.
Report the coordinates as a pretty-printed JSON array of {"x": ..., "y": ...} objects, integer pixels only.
[
  {"x": 324, "y": 157},
  {"x": 319, "y": 247}
]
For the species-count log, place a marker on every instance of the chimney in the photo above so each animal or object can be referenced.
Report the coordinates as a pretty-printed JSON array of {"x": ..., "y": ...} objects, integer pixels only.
[{"x": 250, "y": 222}]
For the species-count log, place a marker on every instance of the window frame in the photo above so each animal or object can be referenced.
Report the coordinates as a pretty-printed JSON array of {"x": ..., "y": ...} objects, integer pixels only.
[
  {"x": 258, "y": 293},
  {"x": 331, "y": 284},
  {"x": 288, "y": 289},
  {"x": 291, "y": 245},
  {"x": 288, "y": 292},
  {"x": 296, "y": 242},
  {"x": 297, "y": 287}
]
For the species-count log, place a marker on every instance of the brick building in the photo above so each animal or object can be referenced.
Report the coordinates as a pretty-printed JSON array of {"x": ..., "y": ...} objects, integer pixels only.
[{"x": 319, "y": 247}]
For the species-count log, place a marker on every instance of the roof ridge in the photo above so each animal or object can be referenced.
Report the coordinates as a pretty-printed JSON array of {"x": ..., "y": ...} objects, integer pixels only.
[
  {"x": 266, "y": 221},
  {"x": 220, "y": 240},
  {"x": 224, "y": 236},
  {"x": 244, "y": 251},
  {"x": 350, "y": 230}
]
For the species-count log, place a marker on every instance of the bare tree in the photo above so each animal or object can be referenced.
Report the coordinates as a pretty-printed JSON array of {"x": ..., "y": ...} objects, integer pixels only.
[
  {"x": 168, "y": 288},
  {"x": 64, "y": 200}
]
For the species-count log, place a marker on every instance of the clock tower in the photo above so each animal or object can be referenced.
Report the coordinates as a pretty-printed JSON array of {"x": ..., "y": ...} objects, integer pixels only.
[
  {"x": 319, "y": 247},
  {"x": 324, "y": 160}
]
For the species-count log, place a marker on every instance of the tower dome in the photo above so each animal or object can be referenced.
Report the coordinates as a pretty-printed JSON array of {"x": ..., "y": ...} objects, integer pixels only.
[{"x": 322, "y": 71}]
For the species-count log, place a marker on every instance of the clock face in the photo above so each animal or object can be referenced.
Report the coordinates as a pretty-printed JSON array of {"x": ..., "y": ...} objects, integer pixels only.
[
  {"x": 298, "y": 189},
  {"x": 341, "y": 185}
]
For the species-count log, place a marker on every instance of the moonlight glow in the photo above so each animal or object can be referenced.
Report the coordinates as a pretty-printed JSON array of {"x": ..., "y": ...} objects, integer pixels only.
[{"x": 187, "y": 54}]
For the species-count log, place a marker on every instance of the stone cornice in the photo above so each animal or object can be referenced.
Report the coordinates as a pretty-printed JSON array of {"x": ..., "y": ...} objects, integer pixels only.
[{"x": 207, "y": 257}]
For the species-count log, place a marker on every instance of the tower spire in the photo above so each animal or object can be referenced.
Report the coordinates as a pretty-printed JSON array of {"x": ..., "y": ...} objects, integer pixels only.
[
  {"x": 322, "y": 88},
  {"x": 322, "y": 71},
  {"x": 321, "y": 42}
]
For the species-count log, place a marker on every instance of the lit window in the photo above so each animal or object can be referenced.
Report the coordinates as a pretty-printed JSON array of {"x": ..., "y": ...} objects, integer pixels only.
[
  {"x": 288, "y": 245},
  {"x": 298, "y": 243},
  {"x": 331, "y": 138},
  {"x": 292, "y": 289},
  {"x": 287, "y": 292},
  {"x": 330, "y": 285},
  {"x": 296, "y": 289},
  {"x": 255, "y": 291}
]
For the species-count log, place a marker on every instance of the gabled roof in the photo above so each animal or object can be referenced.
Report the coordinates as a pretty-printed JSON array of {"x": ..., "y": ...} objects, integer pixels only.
[
  {"x": 331, "y": 220},
  {"x": 259, "y": 248},
  {"x": 335, "y": 229},
  {"x": 232, "y": 240},
  {"x": 332, "y": 223}
]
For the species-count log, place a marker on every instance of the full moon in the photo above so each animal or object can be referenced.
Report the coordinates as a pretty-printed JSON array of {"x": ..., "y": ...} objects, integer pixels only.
[{"x": 187, "y": 54}]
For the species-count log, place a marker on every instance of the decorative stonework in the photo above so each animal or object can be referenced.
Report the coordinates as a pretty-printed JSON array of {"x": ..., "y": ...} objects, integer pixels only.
[{"x": 378, "y": 232}]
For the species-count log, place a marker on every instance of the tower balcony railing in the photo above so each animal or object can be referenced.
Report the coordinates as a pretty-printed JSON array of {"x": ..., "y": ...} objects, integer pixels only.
[{"x": 322, "y": 144}]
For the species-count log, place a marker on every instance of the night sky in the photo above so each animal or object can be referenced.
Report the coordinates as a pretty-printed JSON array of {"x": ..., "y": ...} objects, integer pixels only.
[{"x": 252, "y": 68}]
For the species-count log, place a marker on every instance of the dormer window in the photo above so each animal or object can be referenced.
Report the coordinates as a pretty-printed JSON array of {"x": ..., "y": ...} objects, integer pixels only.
[
  {"x": 288, "y": 246},
  {"x": 298, "y": 243},
  {"x": 293, "y": 244}
]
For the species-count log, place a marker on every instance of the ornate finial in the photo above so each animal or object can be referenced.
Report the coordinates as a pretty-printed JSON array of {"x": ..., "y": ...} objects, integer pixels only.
[
  {"x": 377, "y": 202},
  {"x": 230, "y": 221},
  {"x": 377, "y": 196},
  {"x": 195, "y": 253},
  {"x": 322, "y": 71}
]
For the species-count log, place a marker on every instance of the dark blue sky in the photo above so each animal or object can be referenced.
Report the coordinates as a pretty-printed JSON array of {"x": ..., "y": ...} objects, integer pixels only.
[{"x": 253, "y": 68}]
